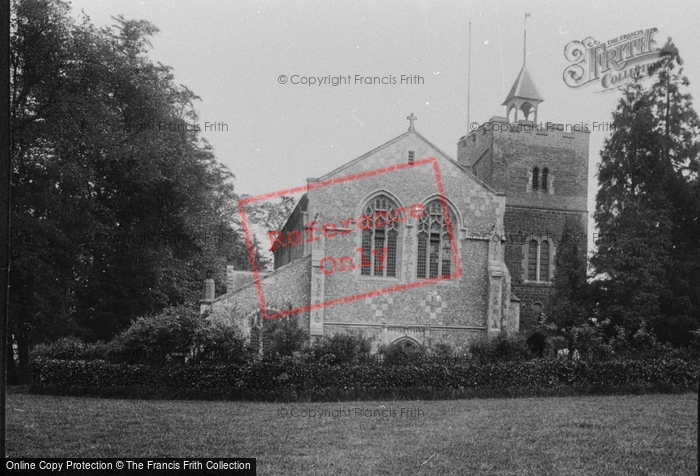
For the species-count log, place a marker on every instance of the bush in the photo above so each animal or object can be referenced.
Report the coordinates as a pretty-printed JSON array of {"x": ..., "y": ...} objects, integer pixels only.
[
  {"x": 342, "y": 349},
  {"x": 402, "y": 353},
  {"x": 288, "y": 379},
  {"x": 285, "y": 336},
  {"x": 589, "y": 340},
  {"x": 556, "y": 343},
  {"x": 160, "y": 337},
  {"x": 504, "y": 347},
  {"x": 220, "y": 341},
  {"x": 442, "y": 351},
  {"x": 71, "y": 348}
]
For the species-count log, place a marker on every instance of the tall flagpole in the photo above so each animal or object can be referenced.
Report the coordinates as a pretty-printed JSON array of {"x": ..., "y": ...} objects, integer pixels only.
[
  {"x": 525, "y": 38},
  {"x": 469, "y": 74}
]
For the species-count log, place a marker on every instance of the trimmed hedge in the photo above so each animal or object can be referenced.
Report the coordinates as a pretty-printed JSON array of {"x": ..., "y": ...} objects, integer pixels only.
[{"x": 289, "y": 380}]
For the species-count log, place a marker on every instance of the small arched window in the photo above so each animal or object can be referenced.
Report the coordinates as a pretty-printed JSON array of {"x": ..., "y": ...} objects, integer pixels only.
[
  {"x": 545, "y": 174},
  {"x": 379, "y": 241},
  {"x": 532, "y": 261},
  {"x": 535, "y": 178},
  {"x": 544, "y": 261},
  {"x": 434, "y": 247}
]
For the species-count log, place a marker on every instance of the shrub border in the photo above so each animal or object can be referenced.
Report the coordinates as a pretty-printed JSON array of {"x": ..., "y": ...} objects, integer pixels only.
[{"x": 293, "y": 381}]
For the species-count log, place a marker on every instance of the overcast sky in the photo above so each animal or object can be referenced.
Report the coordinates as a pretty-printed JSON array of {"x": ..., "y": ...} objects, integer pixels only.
[{"x": 231, "y": 53}]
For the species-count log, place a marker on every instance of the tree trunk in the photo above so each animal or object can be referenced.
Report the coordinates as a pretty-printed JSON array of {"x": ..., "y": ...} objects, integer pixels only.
[
  {"x": 12, "y": 376},
  {"x": 23, "y": 353}
]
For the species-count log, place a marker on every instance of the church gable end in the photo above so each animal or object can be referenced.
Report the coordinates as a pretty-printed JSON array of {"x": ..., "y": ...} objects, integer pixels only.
[{"x": 407, "y": 245}]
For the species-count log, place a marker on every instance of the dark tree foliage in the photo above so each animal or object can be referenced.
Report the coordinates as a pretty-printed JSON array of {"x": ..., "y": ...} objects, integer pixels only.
[
  {"x": 648, "y": 208},
  {"x": 264, "y": 217},
  {"x": 342, "y": 348},
  {"x": 118, "y": 207},
  {"x": 270, "y": 214},
  {"x": 570, "y": 303},
  {"x": 285, "y": 337}
]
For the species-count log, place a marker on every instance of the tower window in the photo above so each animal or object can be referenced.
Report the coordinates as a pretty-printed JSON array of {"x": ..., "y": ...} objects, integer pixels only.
[
  {"x": 379, "y": 242},
  {"x": 411, "y": 156},
  {"x": 545, "y": 173},
  {"x": 544, "y": 261},
  {"x": 532, "y": 261},
  {"x": 434, "y": 246},
  {"x": 537, "y": 260},
  {"x": 535, "y": 178}
]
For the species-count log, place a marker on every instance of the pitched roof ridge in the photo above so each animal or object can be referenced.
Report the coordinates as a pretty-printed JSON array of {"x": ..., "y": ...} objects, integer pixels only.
[{"x": 524, "y": 87}]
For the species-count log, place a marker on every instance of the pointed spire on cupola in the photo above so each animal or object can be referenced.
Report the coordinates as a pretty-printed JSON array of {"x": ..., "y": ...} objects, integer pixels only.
[{"x": 523, "y": 96}]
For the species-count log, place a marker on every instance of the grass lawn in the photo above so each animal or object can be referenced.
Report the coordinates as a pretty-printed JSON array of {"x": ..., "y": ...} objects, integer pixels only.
[{"x": 611, "y": 435}]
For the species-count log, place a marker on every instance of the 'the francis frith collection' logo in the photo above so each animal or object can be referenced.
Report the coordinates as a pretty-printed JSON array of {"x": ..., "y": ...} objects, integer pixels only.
[{"x": 613, "y": 62}]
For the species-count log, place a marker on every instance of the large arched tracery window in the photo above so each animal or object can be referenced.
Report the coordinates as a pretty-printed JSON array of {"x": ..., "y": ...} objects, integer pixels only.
[
  {"x": 379, "y": 241},
  {"x": 434, "y": 246}
]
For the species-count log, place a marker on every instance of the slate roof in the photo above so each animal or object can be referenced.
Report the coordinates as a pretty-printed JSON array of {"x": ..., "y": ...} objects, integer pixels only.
[{"x": 524, "y": 87}]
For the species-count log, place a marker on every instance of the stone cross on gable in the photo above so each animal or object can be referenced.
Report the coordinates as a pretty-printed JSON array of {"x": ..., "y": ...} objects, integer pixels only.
[{"x": 411, "y": 118}]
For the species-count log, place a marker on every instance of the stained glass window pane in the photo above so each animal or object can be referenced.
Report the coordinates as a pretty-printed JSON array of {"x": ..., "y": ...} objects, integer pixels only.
[
  {"x": 366, "y": 252},
  {"x": 434, "y": 255},
  {"x": 391, "y": 254},
  {"x": 422, "y": 256},
  {"x": 434, "y": 246},
  {"x": 379, "y": 242}
]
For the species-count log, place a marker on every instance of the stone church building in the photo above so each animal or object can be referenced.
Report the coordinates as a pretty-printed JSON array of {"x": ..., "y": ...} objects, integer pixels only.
[{"x": 466, "y": 253}]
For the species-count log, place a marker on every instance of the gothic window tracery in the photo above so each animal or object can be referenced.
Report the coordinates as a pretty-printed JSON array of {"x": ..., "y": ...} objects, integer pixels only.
[
  {"x": 379, "y": 242},
  {"x": 434, "y": 247}
]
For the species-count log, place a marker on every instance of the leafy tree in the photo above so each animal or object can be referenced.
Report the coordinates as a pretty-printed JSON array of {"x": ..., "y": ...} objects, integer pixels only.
[
  {"x": 680, "y": 128},
  {"x": 647, "y": 207},
  {"x": 118, "y": 207},
  {"x": 270, "y": 215},
  {"x": 264, "y": 217}
]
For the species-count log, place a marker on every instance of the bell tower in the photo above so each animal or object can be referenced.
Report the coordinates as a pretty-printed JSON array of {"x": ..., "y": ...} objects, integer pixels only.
[
  {"x": 523, "y": 98},
  {"x": 542, "y": 169}
]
